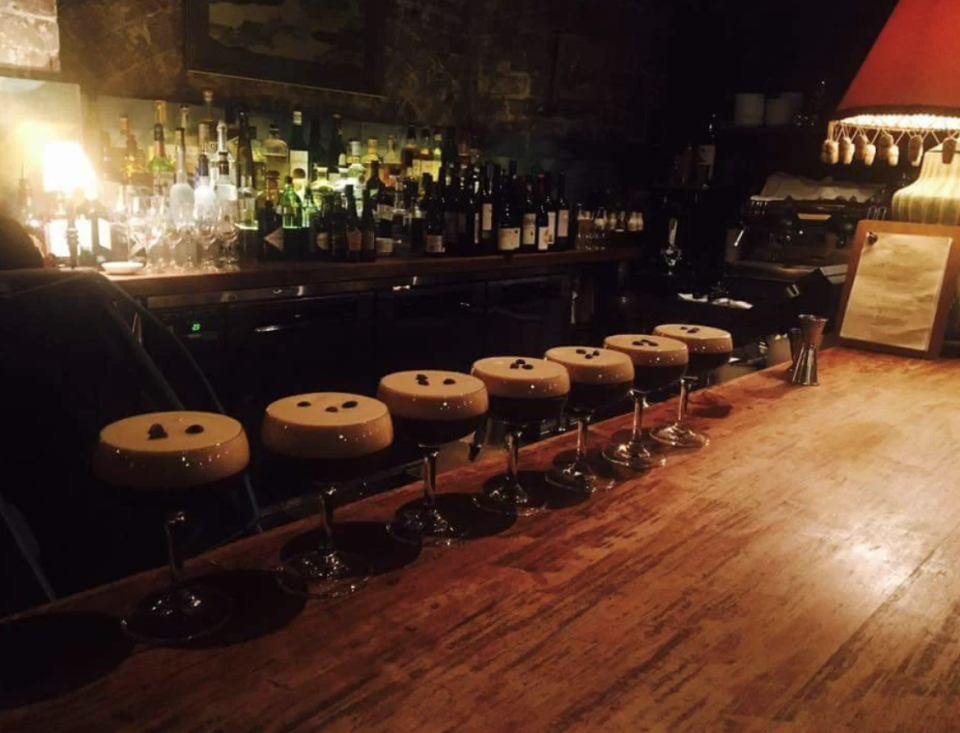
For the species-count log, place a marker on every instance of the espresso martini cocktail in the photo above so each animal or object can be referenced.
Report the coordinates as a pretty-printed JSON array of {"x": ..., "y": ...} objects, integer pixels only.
[
  {"x": 331, "y": 437},
  {"x": 430, "y": 408},
  {"x": 710, "y": 348},
  {"x": 170, "y": 453},
  {"x": 598, "y": 378},
  {"x": 523, "y": 391}
]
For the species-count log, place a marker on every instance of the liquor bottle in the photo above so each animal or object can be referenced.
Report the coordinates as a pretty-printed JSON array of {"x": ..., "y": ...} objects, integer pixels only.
[
  {"x": 551, "y": 205},
  {"x": 433, "y": 246},
  {"x": 299, "y": 156},
  {"x": 355, "y": 170},
  {"x": 225, "y": 178},
  {"x": 448, "y": 148},
  {"x": 338, "y": 230},
  {"x": 374, "y": 184},
  {"x": 191, "y": 140},
  {"x": 384, "y": 214},
  {"x": 707, "y": 152},
  {"x": 207, "y": 129},
  {"x": 426, "y": 161},
  {"x": 354, "y": 234},
  {"x": 509, "y": 219},
  {"x": 528, "y": 238},
  {"x": 321, "y": 235},
  {"x": 410, "y": 155},
  {"x": 371, "y": 157},
  {"x": 368, "y": 229},
  {"x": 470, "y": 215},
  {"x": 337, "y": 153},
  {"x": 391, "y": 163},
  {"x": 310, "y": 208},
  {"x": 94, "y": 234},
  {"x": 277, "y": 153},
  {"x": 204, "y": 194},
  {"x": 437, "y": 151},
  {"x": 399, "y": 222},
  {"x": 487, "y": 243},
  {"x": 451, "y": 210},
  {"x": 182, "y": 200},
  {"x": 270, "y": 231},
  {"x": 316, "y": 152},
  {"x": 418, "y": 222},
  {"x": 544, "y": 226},
  {"x": 564, "y": 238},
  {"x": 160, "y": 166},
  {"x": 290, "y": 209},
  {"x": 246, "y": 174}
]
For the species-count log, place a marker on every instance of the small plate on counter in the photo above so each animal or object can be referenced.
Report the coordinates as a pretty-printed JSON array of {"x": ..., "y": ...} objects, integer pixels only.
[{"x": 122, "y": 268}]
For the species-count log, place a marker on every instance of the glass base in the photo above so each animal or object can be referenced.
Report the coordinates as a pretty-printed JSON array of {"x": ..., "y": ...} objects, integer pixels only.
[
  {"x": 579, "y": 477},
  {"x": 679, "y": 436},
  {"x": 507, "y": 497},
  {"x": 424, "y": 525},
  {"x": 634, "y": 455},
  {"x": 178, "y": 614},
  {"x": 324, "y": 575}
]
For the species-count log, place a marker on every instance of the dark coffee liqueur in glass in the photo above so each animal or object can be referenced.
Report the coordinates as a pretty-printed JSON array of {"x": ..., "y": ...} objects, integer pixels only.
[
  {"x": 598, "y": 378},
  {"x": 658, "y": 363},
  {"x": 430, "y": 408},
  {"x": 522, "y": 391}
]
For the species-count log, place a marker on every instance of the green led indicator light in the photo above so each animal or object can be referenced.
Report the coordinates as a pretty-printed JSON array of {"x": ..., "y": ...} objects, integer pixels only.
[{"x": 195, "y": 327}]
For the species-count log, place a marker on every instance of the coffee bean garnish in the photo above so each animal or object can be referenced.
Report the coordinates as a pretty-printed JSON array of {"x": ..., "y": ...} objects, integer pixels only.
[
  {"x": 421, "y": 376},
  {"x": 589, "y": 356},
  {"x": 528, "y": 367},
  {"x": 694, "y": 330},
  {"x": 596, "y": 353},
  {"x": 332, "y": 409},
  {"x": 303, "y": 404},
  {"x": 349, "y": 404},
  {"x": 581, "y": 351},
  {"x": 521, "y": 361},
  {"x": 448, "y": 380},
  {"x": 156, "y": 432},
  {"x": 684, "y": 328},
  {"x": 514, "y": 366},
  {"x": 194, "y": 429},
  {"x": 638, "y": 343}
]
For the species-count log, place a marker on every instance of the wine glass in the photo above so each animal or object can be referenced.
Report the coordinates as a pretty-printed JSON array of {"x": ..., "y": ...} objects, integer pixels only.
[
  {"x": 709, "y": 349},
  {"x": 228, "y": 236},
  {"x": 598, "y": 378},
  {"x": 207, "y": 233},
  {"x": 174, "y": 455},
  {"x": 658, "y": 363}
]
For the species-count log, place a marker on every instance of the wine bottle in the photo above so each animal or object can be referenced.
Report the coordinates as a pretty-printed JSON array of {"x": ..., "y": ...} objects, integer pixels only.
[
  {"x": 368, "y": 229},
  {"x": 434, "y": 221},
  {"x": 354, "y": 233},
  {"x": 528, "y": 237},
  {"x": 544, "y": 228},
  {"x": 509, "y": 220},
  {"x": 338, "y": 230},
  {"x": 564, "y": 240}
]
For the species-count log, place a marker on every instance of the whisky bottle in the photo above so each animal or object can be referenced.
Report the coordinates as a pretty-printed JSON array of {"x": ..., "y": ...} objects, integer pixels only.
[{"x": 299, "y": 155}]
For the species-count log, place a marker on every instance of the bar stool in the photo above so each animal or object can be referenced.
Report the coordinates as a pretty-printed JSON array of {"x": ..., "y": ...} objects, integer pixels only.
[
  {"x": 169, "y": 455},
  {"x": 327, "y": 438}
]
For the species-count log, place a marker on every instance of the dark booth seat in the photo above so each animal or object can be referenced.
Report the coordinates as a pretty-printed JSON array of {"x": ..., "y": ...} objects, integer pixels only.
[{"x": 72, "y": 364}]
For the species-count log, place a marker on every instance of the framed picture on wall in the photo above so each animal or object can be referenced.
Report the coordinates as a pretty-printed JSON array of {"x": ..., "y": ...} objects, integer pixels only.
[{"x": 329, "y": 44}]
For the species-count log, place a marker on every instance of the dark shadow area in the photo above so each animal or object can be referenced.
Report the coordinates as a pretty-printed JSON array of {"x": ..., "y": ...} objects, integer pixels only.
[
  {"x": 260, "y": 607},
  {"x": 45, "y": 656},
  {"x": 462, "y": 512},
  {"x": 709, "y": 406},
  {"x": 553, "y": 498},
  {"x": 368, "y": 539}
]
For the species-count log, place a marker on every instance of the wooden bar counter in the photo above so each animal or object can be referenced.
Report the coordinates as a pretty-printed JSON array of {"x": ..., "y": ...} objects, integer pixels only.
[{"x": 802, "y": 573}]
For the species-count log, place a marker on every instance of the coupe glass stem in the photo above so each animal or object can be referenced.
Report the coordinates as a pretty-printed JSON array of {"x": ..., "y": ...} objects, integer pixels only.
[
  {"x": 583, "y": 427},
  {"x": 174, "y": 529},
  {"x": 639, "y": 405},
  {"x": 684, "y": 401},
  {"x": 430, "y": 477},
  {"x": 512, "y": 439},
  {"x": 325, "y": 495}
]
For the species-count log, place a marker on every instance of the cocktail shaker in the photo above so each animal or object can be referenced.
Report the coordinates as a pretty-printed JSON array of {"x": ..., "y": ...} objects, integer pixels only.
[{"x": 805, "y": 365}]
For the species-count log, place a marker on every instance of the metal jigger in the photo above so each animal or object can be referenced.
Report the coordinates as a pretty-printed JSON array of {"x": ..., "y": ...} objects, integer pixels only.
[{"x": 805, "y": 366}]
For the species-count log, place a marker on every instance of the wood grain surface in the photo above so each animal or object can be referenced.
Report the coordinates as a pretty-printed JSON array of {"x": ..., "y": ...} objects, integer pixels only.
[
  {"x": 799, "y": 574},
  {"x": 280, "y": 274}
]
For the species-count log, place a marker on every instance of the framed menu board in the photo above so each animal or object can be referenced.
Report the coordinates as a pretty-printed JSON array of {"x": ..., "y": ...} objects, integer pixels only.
[{"x": 900, "y": 287}]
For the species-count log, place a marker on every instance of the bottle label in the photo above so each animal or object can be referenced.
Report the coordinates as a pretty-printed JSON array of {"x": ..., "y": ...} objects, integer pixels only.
[
  {"x": 563, "y": 223},
  {"x": 529, "y": 229},
  {"x": 476, "y": 230},
  {"x": 706, "y": 155},
  {"x": 299, "y": 167},
  {"x": 434, "y": 243},
  {"x": 552, "y": 223},
  {"x": 385, "y": 245},
  {"x": 487, "y": 216},
  {"x": 369, "y": 241},
  {"x": 323, "y": 241},
  {"x": 385, "y": 212},
  {"x": 354, "y": 240},
  {"x": 508, "y": 239},
  {"x": 544, "y": 238},
  {"x": 275, "y": 239}
]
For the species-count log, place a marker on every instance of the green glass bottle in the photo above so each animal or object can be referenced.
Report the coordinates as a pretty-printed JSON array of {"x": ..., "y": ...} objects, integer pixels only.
[{"x": 290, "y": 209}]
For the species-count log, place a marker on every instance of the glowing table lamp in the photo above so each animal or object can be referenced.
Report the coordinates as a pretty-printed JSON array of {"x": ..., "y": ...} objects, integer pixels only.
[
  {"x": 905, "y": 98},
  {"x": 66, "y": 170}
]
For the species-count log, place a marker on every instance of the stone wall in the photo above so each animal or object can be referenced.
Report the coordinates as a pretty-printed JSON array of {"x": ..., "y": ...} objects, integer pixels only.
[
  {"x": 29, "y": 38},
  {"x": 551, "y": 82}
]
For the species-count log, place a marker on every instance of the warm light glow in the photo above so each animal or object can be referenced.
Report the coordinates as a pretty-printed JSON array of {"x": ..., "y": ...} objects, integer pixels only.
[
  {"x": 66, "y": 168},
  {"x": 904, "y": 122}
]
